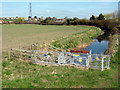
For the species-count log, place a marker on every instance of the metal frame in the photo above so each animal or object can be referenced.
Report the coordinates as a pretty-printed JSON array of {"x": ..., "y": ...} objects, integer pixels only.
[{"x": 78, "y": 59}]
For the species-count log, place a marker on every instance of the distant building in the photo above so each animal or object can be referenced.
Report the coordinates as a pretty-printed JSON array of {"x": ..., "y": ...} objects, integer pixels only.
[
  {"x": 7, "y": 17},
  {"x": 35, "y": 19},
  {"x": 1, "y": 21},
  {"x": 3, "y": 18},
  {"x": 60, "y": 20},
  {"x": 16, "y": 18},
  {"x": 12, "y": 17},
  {"x": 25, "y": 18},
  {"x": 10, "y": 21}
]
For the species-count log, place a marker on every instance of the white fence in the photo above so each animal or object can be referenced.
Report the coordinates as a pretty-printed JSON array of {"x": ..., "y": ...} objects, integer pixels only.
[{"x": 98, "y": 61}]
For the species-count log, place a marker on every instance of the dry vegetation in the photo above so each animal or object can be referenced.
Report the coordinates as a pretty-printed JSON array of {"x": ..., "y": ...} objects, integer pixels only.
[
  {"x": 19, "y": 74},
  {"x": 15, "y": 36}
]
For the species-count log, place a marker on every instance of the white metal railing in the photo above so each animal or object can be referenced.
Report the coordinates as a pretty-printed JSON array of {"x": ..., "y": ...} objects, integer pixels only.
[{"x": 79, "y": 59}]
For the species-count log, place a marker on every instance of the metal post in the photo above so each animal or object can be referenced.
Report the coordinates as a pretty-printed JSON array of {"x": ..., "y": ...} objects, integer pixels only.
[
  {"x": 76, "y": 60},
  {"x": 102, "y": 63},
  {"x": 35, "y": 56},
  {"x": 46, "y": 59},
  {"x": 90, "y": 57},
  {"x": 90, "y": 51},
  {"x": 19, "y": 52},
  {"x": 9, "y": 53},
  {"x": 108, "y": 62},
  {"x": 30, "y": 10},
  {"x": 31, "y": 56},
  {"x": 87, "y": 62}
]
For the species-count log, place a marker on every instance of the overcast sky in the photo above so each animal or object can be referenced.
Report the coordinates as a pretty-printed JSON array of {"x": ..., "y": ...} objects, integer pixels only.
[{"x": 58, "y": 9}]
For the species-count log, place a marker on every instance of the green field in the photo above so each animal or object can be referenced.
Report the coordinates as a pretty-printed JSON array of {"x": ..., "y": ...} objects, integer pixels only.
[
  {"x": 15, "y": 36},
  {"x": 20, "y": 74}
]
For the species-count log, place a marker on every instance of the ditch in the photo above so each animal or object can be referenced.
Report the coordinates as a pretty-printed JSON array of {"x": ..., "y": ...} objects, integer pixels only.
[{"x": 100, "y": 44}]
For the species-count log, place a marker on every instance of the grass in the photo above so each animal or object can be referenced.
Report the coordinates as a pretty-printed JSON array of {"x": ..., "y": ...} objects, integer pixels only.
[
  {"x": 113, "y": 45},
  {"x": 15, "y": 36},
  {"x": 75, "y": 40},
  {"x": 17, "y": 74}
]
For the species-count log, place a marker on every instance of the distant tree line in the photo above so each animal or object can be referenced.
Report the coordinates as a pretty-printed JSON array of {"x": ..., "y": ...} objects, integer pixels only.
[{"x": 106, "y": 24}]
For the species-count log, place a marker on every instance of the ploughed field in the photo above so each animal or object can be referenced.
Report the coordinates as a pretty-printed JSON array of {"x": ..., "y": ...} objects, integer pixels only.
[{"x": 23, "y": 35}]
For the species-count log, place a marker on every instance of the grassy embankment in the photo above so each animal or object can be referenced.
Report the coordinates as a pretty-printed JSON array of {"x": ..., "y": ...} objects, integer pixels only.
[
  {"x": 77, "y": 41},
  {"x": 15, "y": 36},
  {"x": 113, "y": 45},
  {"x": 24, "y": 75}
]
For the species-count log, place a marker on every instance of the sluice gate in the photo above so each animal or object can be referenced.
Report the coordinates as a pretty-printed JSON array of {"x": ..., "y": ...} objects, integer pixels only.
[{"x": 99, "y": 61}]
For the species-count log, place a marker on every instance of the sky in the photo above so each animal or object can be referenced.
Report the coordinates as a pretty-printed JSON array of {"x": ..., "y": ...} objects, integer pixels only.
[
  {"x": 60, "y": 0},
  {"x": 58, "y": 9}
]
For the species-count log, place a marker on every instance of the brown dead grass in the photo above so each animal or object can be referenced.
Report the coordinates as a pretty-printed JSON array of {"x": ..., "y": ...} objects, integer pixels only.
[{"x": 18, "y": 36}]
